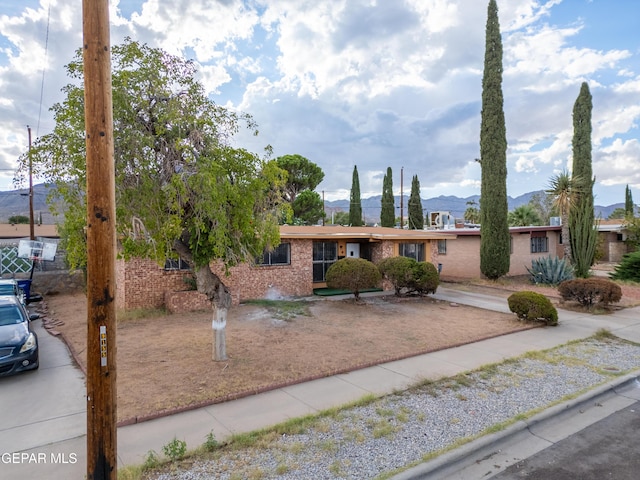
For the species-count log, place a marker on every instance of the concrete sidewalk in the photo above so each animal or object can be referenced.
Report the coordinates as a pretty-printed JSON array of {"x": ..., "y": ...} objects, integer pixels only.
[{"x": 266, "y": 409}]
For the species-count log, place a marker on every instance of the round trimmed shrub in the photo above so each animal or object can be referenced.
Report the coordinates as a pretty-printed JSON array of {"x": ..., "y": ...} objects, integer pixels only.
[
  {"x": 532, "y": 306},
  {"x": 590, "y": 291},
  {"x": 407, "y": 273},
  {"x": 425, "y": 278},
  {"x": 353, "y": 274},
  {"x": 398, "y": 270}
]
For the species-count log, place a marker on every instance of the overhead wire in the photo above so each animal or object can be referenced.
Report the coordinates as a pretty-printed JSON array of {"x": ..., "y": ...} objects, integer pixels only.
[{"x": 44, "y": 68}]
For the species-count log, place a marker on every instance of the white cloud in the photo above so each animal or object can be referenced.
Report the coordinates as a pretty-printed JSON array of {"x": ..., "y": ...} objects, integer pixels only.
[
  {"x": 618, "y": 163},
  {"x": 369, "y": 82}
]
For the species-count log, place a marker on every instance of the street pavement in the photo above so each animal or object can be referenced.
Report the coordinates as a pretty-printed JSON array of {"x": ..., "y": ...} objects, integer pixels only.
[
  {"x": 606, "y": 449},
  {"x": 42, "y": 413}
]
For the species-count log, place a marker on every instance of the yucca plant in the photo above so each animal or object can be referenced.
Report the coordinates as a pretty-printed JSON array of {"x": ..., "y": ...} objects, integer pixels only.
[{"x": 550, "y": 270}]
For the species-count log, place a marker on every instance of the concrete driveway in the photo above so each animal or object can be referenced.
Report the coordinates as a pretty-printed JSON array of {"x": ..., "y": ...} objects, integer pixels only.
[{"x": 43, "y": 417}]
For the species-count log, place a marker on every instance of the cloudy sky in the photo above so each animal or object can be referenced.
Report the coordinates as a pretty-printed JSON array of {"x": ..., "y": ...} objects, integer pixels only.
[{"x": 371, "y": 83}]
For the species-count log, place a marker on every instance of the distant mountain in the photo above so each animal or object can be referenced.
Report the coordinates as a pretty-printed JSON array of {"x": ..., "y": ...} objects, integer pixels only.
[
  {"x": 16, "y": 202},
  {"x": 456, "y": 206}
]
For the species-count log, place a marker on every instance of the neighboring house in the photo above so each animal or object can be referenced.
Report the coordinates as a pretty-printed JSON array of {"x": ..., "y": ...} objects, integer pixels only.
[
  {"x": 461, "y": 258},
  {"x": 611, "y": 241}
]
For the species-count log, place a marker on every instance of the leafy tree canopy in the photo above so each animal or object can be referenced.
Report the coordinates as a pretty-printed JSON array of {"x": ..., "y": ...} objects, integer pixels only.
[
  {"x": 617, "y": 213},
  {"x": 180, "y": 185},
  {"x": 302, "y": 174},
  {"x": 308, "y": 208},
  {"x": 18, "y": 219}
]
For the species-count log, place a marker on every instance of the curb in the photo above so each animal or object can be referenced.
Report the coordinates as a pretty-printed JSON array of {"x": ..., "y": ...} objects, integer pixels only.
[{"x": 461, "y": 455}]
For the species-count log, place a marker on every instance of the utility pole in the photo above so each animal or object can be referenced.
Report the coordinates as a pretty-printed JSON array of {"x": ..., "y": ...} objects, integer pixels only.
[
  {"x": 32, "y": 234},
  {"x": 401, "y": 199},
  {"x": 101, "y": 245}
]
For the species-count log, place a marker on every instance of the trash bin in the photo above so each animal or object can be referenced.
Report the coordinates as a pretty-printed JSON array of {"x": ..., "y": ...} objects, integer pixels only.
[{"x": 25, "y": 285}]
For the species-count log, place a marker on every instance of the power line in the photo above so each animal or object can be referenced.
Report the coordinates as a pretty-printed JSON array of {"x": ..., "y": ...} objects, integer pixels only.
[{"x": 44, "y": 67}]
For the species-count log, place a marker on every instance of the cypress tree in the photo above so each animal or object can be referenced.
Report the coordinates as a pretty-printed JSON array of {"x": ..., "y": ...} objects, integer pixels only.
[
  {"x": 628, "y": 203},
  {"x": 416, "y": 215},
  {"x": 583, "y": 232},
  {"x": 494, "y": 227},
  {"x": 387, "y": 210},
  {"x": 355, "y": 205}
]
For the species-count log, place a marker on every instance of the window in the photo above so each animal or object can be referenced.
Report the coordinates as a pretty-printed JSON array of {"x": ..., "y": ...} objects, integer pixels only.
[
  {"x": 281, "y": 255},
  {"x": 412, "y": 250},
  {"x": 442, "y": 247},
  {"x": 176, "y": 264},
  {"x": 539, "y": 244},
  {"x": 325, "y": 254}
]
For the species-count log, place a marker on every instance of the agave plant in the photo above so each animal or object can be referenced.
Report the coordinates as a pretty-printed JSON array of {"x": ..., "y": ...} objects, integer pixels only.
[{"x": 550, "y": 270}]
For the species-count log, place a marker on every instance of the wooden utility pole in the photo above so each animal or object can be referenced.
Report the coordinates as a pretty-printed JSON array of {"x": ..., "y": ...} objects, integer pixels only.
[
  {"x": 401, "y": 199},
  {"x": 101, "y": 245},
  {"x": 32, "y": 234}
]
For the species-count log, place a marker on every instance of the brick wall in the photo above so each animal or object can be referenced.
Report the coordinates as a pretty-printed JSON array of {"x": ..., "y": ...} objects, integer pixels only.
[
  {"x": 187, "y": 301},
  {"x": 250, "y": 282},
  {"x": 142, "y": 283}
]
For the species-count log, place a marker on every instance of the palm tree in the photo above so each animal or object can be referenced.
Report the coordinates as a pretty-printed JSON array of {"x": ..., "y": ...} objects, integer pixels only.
[
  {"x": 563, "y": 188},
  {"x": 523, "y": 216}
]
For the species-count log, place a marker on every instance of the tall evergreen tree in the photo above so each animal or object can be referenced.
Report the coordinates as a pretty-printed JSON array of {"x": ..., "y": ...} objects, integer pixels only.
[
  {"x": 387, "y": 210},
  {"x": 494, "y": 227},
  {"x": 416, "y": 215},
  {"x": 628, "y": 203},
  {"x": 582, "y": 230},
  {"x": 355, "y": 205}
]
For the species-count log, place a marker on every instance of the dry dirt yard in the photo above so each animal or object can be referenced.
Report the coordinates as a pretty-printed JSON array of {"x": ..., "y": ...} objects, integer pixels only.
[{"x": 164, "y": 361}]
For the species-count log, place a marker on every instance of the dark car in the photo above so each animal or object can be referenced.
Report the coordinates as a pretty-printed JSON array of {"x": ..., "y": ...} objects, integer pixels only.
[{"x": 18, "y": 343}]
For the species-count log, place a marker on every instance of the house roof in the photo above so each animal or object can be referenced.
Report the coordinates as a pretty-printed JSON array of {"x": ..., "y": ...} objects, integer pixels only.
[
  {"x": 363, "y": 233},
  {"x": 21, "y": 230},
  {"x": 519, "y": 230}
]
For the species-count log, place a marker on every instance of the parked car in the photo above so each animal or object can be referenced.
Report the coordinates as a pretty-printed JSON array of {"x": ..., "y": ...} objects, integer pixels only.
[
  {"x": 9, "y": 286},
  {"x": 18, "y": 342}
]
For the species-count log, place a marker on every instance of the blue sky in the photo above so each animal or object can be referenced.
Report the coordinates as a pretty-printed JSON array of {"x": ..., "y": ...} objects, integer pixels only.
[{"x": 372, "y": 83}]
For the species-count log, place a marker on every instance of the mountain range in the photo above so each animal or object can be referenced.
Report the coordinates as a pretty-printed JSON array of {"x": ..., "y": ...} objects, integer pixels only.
[
  {"x": 456, "y": 206},
  {"x": 16, "y": 202}
]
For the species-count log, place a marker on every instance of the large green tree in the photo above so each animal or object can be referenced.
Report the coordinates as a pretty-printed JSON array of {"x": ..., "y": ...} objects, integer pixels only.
[
  {"x": 583, "y": 231},
  {"x": 416, "y": 213},
  {"x": 182, "y": 189},
  {"x": 629, "y": 208},
  {"x": 494, "y": 227},
  {"x": 302, "y": 174},
  {"x": 308, "y": 208},
  {"x": 542, "y": 203},
  {"x": 355, "y": 203},
  {"x": 387, "y": 210}
]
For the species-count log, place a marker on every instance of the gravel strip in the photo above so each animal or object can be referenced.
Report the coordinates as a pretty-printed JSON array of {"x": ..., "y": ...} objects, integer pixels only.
[{"x": 397, "y": 430}]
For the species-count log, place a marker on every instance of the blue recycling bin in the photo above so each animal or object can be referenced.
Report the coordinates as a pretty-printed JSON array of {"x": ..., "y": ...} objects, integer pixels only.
[{"x": 25, "y": 285}]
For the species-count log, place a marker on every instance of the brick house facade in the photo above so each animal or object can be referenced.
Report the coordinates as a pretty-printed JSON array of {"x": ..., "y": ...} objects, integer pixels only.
[{"x": 144, "y": 284}]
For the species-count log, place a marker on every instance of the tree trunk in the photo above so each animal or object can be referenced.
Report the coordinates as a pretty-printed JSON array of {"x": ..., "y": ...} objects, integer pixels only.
[
  {"x": 218, "y": 294},
  {"x": 219, "y": 324},
  {"x": 566, "y": 241}
]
